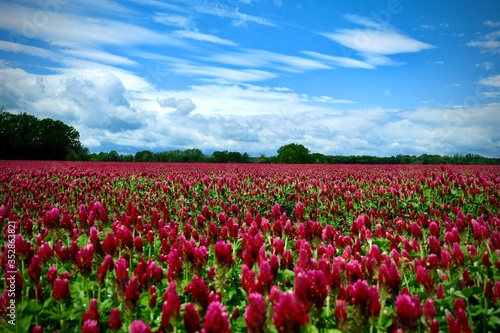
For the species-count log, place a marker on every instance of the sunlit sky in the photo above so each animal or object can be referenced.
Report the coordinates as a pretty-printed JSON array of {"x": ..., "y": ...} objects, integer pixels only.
[{"x": 340, "y": 77}]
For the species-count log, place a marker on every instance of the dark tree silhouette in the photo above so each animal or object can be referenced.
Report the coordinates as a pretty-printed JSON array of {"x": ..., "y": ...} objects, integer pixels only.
[{"x": 25, "y": 137}]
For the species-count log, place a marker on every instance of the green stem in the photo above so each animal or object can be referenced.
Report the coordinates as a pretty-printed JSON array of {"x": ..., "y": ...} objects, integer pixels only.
[
  {"x": 62, "y": 321},
  {"x": 379, "y": 323},
  {"x": 37, "y": 305},
  {"x": 86, "y": 287},
  {"x": 99, "y": 294}
]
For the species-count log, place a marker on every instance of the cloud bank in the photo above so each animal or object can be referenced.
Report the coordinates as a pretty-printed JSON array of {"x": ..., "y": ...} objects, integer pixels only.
[{"x": 246, "y": 117}]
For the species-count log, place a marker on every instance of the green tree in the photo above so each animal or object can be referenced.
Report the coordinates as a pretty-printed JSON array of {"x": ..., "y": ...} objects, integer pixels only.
[
  {"x": 58, "y": 140},
  {"x": 193, "y": 155},
  {"x": 293, "y": 153},
  {"x": 113, "y": 156},
  {"x": 145, "y": 156},
  {"x": 220, "y": 156},
  {"x": 23, "y": 136}
]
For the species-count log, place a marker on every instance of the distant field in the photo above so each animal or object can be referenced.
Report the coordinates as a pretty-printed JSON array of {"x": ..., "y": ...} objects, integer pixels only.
[{"x": 97, "y": 247}]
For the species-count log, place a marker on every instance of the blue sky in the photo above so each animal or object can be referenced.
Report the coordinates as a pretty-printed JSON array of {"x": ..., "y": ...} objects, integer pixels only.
[{"x": 340, "y": 77}]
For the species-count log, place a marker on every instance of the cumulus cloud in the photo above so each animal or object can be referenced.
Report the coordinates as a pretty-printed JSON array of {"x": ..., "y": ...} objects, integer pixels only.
[
  {"x": 92, "y": 100},
  {"x": 182, "y": 106}
]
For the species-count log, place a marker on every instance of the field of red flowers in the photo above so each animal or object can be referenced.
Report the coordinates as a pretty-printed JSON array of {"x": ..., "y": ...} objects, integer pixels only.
[{"x": 117, "y": 247}]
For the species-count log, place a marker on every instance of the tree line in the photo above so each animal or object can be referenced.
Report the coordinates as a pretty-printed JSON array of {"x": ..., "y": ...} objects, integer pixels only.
[
  {"x": 291, "y": 153},
  {"x": 25, "y": 137}
]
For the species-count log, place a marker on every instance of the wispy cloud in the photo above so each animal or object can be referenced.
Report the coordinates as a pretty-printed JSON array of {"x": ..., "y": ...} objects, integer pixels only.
[
  {"x": 491, "y": 81},
  {"x": 266, "y": 59},
  {"x": 60, "y": 28},
  {"x": 375, "y": 42},
  {"x": 179, "y": 21},
  {"x": 202, "y": 71},
  {"x": 492, "y": 24},
  {"x": 26, "y": 49},
  {"x": 101, "y": 56},
  {"x": 233, "y": 13},
  {"x": 340, "y": 61},
  {"x": 488, "y": 65},
  {"x": 488, "y": 43},
  {"x": 489, "y": 87},
  {"x": 203, "y": 37}
]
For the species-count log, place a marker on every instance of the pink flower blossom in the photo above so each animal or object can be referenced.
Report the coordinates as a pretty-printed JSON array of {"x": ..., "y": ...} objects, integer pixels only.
[
  {"x": 171, "y": 306},
  {"x": 216, "y": 319},
  {"x": 255, "y": 313},
  {"x": 289, "y": 314},
  {"x": 115, "y": 320},
  {"x": 191, "y": 319},
  {"x": 138, "y": 326}
]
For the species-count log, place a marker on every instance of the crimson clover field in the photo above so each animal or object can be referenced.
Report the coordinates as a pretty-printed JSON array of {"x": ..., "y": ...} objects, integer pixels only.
[{"x": 158, "y": 247}]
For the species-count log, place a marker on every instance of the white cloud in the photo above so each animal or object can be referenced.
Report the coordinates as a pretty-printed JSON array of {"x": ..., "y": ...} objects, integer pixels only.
[
  {"x": 488, "y": 43},
  {"x": 328, "y": 99},
  {"x": 182, "y": 106},
  {"x": 222, "y": 73},
  {"x": 256, "y": 119},
  {"x": 225, "y": 108},
  {"x": 427, "y": 26},
  {"x": 238, "y": 18},
  {"x": 375, "y": 42},
  {"x": 101, "y": 56},
  {"x": 174, "y": 20},
  {"x": 26, "y": 49},
  {"x": 486, "y": 65},
  {"x": 64, "y": 29},
  {"x": 491, "y": 81},
  {"x": 383, "y": 42},
  {"x": 261, "y": 58},
  {"x": 492, "y": 24},
  {"x": 203, "y": 37},
  {"x": 340, "y": 61},
  {"x": 492, "y": 85}
]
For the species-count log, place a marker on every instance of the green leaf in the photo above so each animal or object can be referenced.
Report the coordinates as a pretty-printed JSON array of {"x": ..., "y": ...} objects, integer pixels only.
[
  {"x": 289, "y": 274},
  {"x": 144, "y": 299},
  {"x": 33, "y": 306},
  {"x": 386, "y": 321},
  {"x": 460, "y": 294},
  {"x": 106, "y": 305},
  {"x": 240, "y": 324},
  {"x": 477, "y": 310},
  {"x": 494, "y": 322},
  {"x": 474, "y": 290},
  {"x": 382, "y": 243},
  {"x": 82, "y": 240},
  {"x": 313, "y": 329},
  {"x": 9, "y": 328}
]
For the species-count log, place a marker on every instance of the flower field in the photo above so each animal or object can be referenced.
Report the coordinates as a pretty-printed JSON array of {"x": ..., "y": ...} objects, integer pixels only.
[{"x": 131, "y": 247}]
